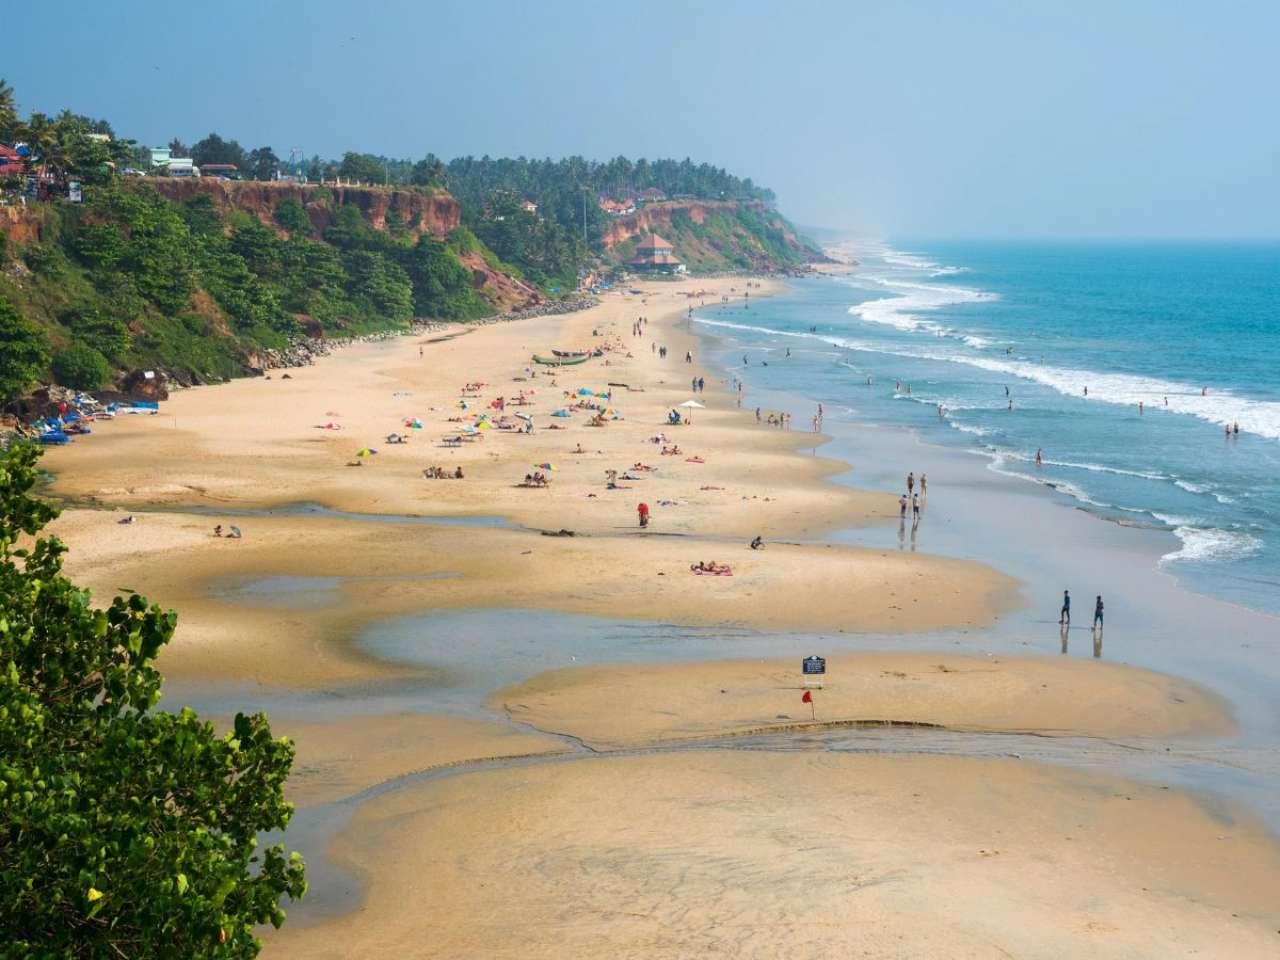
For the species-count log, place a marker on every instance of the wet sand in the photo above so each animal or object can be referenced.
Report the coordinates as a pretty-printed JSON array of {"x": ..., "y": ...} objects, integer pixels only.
[
  {"x": 342, "y": 758},
  {"x": 609, "y": 707},
  {"x": 729, "y": 854},
  {"x": 389, "y": 570}
]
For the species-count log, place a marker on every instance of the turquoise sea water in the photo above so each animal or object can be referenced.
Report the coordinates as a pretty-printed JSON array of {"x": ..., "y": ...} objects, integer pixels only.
[{"x": 1189, "y": 331}]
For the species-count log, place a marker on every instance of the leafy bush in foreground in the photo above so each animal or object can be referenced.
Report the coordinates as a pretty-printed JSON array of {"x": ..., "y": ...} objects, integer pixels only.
[{"x": 124, "y": 832}]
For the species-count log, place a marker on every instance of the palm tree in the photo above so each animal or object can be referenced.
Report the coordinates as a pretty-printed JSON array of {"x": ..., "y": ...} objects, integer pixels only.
[
  {"x": 8, "y": 112},
  {"x": 46, "y": 146}
]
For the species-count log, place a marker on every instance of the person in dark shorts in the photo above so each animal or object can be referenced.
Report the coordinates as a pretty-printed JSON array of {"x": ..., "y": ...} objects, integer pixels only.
[
  {"x": 1064, "y": 616},
  {"x": 1097, "y": 613}
]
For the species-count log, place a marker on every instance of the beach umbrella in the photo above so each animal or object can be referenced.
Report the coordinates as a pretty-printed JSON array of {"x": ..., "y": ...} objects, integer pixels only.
[
  {"x": 584, "y": 392},
  {"x": 525, "y": 416},
  {"x": 484, "y": 425},
  {"x": 366, "y": 452},
  {"x": 693, "y": 405},
  {"x": 546, "y": 466}
]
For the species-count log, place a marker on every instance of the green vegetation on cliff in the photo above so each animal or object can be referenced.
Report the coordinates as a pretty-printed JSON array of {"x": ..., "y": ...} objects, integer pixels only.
[
  {"x": 198, "y": 279},
  {"x": 130, "y": 278}
]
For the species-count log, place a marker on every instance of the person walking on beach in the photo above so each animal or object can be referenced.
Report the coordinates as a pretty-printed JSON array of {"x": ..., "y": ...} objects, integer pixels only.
[
  {"x": 924, "y": 485},
  {"x": 911, "y": 481},
  {"x": 1064, "y": 615},
  {"x": 702, "y": 385},
  {"x": 1097, "y": 613},
  {"x": 643, "y": 511},
  {"x": 915, "y": 508},
  {"x": 688, "y": 356},
  {"x": 1039, "y": 457},
  {"x": 902, "y": 506}
]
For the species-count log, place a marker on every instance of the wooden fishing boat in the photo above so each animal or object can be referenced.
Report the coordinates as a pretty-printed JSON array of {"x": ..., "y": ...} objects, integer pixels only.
[{"x": 557, "y": 361}]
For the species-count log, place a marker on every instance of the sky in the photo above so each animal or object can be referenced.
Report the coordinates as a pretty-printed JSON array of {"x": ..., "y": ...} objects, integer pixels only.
[{"x": 896, "y": 119}]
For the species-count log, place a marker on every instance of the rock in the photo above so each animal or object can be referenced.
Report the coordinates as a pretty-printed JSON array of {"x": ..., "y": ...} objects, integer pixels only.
[{"x": 145, "y": 385}]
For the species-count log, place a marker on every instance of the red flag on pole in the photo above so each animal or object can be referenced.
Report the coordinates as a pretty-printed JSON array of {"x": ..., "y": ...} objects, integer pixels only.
[{"x": 807, "y": 698}]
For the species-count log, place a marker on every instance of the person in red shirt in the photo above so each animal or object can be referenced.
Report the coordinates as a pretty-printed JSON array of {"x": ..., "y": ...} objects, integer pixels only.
[{"x": 643, "y": 510}]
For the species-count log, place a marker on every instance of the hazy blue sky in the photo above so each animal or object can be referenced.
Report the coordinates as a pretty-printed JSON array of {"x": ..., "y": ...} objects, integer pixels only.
[{"x": 898, "y": 118}]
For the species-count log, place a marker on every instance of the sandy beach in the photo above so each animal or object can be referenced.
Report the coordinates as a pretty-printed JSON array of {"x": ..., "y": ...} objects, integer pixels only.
[
  {"x": 610, "y": 707},
  {"x": 740, "y": 855},
  {"x": 549, "y": 848},
  {"x": 257, "y": 444}
]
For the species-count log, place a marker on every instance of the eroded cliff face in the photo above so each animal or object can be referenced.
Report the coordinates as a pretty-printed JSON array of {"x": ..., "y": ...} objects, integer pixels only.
[
  {"x": 712, "y": 235},
  {"x": 22, "y": 224},
  {"x": 419, "y": 211},
  {"x": 656, "y": 217}
]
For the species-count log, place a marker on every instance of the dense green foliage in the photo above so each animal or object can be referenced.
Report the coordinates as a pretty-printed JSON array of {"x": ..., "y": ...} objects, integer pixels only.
[
  {"x": 124, "y": 832},
  {"x": 81, "y": 367},
  {"x": 740, "y": 237},
  {"x": 193, "y": 289},
  {"x": 198, "y": 290},
  {"x": 23, "y": 353}
]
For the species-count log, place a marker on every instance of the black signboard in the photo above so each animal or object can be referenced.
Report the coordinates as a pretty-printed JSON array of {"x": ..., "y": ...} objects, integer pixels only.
[{"x": 812, "y": 665}]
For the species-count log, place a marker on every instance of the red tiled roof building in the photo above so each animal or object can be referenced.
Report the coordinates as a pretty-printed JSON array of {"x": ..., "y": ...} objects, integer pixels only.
[{"x": 653, "y": 251}]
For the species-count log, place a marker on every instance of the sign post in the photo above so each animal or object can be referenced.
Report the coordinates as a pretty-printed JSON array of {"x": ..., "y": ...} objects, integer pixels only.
[{"x": 814, "y": 669}]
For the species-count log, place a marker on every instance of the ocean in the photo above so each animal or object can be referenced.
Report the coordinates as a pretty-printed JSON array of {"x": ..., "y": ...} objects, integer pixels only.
[{"x": 1174, "y": 342}]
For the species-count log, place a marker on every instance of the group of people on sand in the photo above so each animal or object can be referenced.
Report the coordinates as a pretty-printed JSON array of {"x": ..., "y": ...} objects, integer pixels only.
[
  {"x": 1064, "y": 615},
  {"x": 780, "y": 420},
  {"x": 713, "y": 567},
  {"x": 536, "y": 479},
  {"x": 912, "y": 499},
  {"x": 442, "y": 473},
  {"x": 233, "y": 532}
]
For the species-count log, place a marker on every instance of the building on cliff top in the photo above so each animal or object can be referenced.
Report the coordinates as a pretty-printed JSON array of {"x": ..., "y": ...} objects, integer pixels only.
[{"x": 654, "y": 253}]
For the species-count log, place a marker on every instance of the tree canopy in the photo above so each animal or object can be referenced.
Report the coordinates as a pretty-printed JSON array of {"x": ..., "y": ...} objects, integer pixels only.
[
  {"x": 24, "y": 353},
  {"x": 124, "y": 831},
  {"x": 213, "y": 149}
]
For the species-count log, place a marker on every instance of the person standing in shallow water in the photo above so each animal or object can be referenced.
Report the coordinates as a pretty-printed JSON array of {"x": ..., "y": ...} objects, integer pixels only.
[
  {"x": 911, "y": 481},
  {"x": 1097, "y": 614},
  {"x": 1064, "y": 615}
]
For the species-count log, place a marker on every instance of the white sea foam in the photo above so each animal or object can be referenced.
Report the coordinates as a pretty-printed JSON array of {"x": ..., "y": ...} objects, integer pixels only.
[
  {"x": 1257, "y": 417},
  {"x": 1220, "y": 407},
  {"x": 909, "y": 299},
  {"x": 1207, "y": 544},
  {"x": 999, "y": 465},
  {"x": 970, "y": 429}
]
